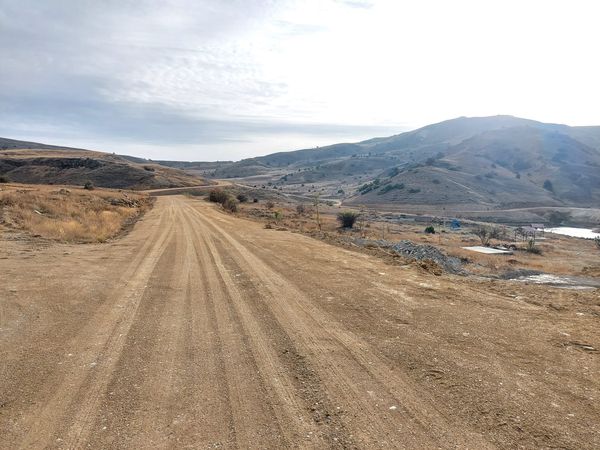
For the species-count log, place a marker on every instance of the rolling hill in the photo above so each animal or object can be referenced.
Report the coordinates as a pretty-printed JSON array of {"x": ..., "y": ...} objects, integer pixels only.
[
  {"x": 496, "y": 162},
  {"x": 29, "y": 162}
]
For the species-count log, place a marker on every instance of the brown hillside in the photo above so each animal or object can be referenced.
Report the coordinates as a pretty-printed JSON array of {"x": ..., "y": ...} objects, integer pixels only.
[{"x": 77, "y": 167}]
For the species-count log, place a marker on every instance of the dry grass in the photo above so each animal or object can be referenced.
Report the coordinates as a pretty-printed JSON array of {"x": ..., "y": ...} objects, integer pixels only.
[{"x": 69, "y": 215}]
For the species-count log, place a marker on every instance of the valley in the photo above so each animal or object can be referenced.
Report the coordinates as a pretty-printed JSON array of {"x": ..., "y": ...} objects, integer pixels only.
[{"x": 169, "y": 304}]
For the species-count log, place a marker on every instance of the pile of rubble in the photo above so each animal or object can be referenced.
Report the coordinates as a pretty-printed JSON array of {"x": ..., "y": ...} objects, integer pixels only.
[{"x": 418, "y": 252}]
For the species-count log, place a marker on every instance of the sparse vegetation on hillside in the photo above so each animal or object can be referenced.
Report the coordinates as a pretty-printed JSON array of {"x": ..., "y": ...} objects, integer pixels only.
[
  {"x": 368, "y": 187},
  {"x": 489, "y": 160},
  {"x": 70, "y": 215},
  {"x": 390, "y": 187}
]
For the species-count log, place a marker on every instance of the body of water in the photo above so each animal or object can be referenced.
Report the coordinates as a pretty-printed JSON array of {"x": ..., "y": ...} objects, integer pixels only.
[{"x": 585, "y": 233}]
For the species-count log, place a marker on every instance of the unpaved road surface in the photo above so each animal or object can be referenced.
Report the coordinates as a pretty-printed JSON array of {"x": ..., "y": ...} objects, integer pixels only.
[{"x": 202, "y": 330}]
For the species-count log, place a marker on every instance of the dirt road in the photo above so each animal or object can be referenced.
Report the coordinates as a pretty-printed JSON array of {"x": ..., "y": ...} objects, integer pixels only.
[{"x": 203, "y": 330}]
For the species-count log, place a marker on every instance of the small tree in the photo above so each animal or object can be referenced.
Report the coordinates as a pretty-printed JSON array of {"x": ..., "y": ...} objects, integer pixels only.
[
  {"x": 301, "y": 209},
  {"x": 430, "y": 230},
  {"x": 497, "y": 233},
  {"x": 316, "y": 203},
  {"x": 88, "y": 186},
  {"x": 484, "y": 234},
  {"x": 347, "y": 218},
  {"x": 242, "y": 198}
]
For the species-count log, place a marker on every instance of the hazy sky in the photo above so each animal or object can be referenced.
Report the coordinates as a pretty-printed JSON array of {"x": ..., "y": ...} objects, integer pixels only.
[{"x": 210, "y": 79}]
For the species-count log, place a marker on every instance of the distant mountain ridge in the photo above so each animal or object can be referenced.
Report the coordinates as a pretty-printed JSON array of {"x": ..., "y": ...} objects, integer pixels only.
[{"x": 492, "y": 161}]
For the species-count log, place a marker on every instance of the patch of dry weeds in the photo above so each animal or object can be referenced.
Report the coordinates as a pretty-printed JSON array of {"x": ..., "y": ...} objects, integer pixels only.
[{"x": 70, "y": 215}]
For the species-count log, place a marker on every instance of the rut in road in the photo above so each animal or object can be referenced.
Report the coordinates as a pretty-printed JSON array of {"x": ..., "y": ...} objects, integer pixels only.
[{"x": 107, "y": 332}]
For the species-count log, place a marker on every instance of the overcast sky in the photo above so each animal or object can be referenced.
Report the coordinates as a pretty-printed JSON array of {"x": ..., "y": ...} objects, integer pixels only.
[{"x": 210, "y": 79}]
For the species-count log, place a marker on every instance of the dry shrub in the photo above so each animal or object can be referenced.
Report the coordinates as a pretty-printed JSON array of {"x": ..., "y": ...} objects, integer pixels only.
[
  {"x": 230, "y": 204},
  {"x": 217, "y": 196},
  {"x": 81, "y": 216}
]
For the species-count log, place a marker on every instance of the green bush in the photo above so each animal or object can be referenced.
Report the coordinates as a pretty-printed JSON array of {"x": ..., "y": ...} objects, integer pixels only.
[
  {"x": 368, "y": 187},
  {"x": 390, "y": 187},
  {"x": 242, "y": 198},
  {"x": 430, "y": 230},
  {"x": 88, "y": 186},
  {"x": 557, "y": 218},
  {"x": 347, "y": 218},
  {"x": 548, "y": 186}
]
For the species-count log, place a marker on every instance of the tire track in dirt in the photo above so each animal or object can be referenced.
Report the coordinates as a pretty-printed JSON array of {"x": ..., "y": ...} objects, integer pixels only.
[
  {"x": 357, "y": 370},
  {"x": 107, "y": 330},
  {"x": 292, "y": 421},
  {"x": 152, "y": 355},
  {"x": 164, "y": 365},
  {"x": 169, "y": 388}
]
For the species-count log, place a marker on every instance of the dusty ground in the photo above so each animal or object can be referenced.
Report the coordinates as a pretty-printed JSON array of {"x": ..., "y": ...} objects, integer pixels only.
[
  {"x": 560, "y": 255},
  {"x": 202, "y": 330}
]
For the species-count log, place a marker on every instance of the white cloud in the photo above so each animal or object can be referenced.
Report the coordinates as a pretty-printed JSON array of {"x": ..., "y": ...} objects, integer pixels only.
[{"x": 228, "y": 78}]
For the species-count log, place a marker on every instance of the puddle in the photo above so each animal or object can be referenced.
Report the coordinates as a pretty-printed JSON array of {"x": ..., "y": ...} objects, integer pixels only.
[
  {"x": 560, "y": 281},
  {"x": 548, "y": 279}
]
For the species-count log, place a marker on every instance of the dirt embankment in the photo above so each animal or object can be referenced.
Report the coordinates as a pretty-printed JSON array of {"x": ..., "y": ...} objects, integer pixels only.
[
  {"x": 78, "y": 167},
  {"x": 204, "y": 330}
]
